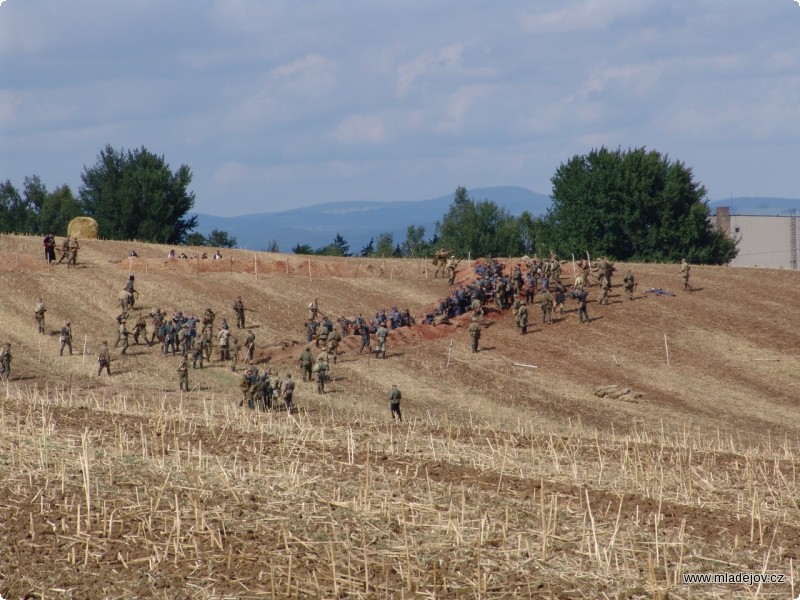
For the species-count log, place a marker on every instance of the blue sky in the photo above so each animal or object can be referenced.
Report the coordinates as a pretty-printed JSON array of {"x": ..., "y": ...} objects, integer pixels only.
[{"x": 276, "y": 105}]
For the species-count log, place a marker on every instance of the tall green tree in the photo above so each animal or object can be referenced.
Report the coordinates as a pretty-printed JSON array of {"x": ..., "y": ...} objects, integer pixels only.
[
  {"x": 369, "y": 249},
  {"x": 415, "y": 245},
  {"x": 632, "y": 205},
  {"x": 220, "y": 239},
  {"x": 134, "y": 195},
  {"x": 58, "y": 208},
  {"x": 385, "y": 247},
  {"x": 481, "y": 228}
]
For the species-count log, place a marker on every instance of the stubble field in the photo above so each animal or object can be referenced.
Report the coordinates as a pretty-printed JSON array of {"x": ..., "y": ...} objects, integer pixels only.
[{"x": 502, "y": 482}]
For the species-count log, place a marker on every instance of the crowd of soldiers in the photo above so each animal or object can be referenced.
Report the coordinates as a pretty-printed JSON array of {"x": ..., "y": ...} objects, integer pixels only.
[{"x": 68, "y": 249}]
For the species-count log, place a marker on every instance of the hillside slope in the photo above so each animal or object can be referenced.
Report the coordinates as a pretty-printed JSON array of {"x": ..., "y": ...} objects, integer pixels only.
[{"x": 504, "y": 481}]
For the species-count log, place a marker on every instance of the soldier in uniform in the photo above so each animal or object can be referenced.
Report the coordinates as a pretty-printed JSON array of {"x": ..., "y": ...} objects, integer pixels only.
[
  {"x": 65, "y": 338},
  {"x": 234, "y": 353},
  {"x": 363, "y": 329},
  {"x": 604, "y": 285},
  {"x": 74, "y": 246},
  {"x": 205, "y": 343},
  {"x": 183, "y": 375},
  {"x": 38, "y": 313},
  {"x": 103, "y": 359},
  {"x": 440, "y": 259},
  {"x": 546, "y": 304},
  {"x": 5, "y": 361},
  {"x": 382, "y": 333},
  {"x": 630, "y": 284},
  {"x": 334, "y": 337},
  {"x": 475, "y": 333},
  {"x": 198, "y": 351},
  {"x": 123, "y": 335},
  {"x": 287, "y": 391},
  {"x": 50, "y": 247},
  {"x": 140, "y": 328},
  {"x": 321, "y": 369},
  {"x": 250, "y": 346},
  {"x": 208, "y": 321},
  {"x": 64, "y": 251},
  {"x": 394, "y": 403},
  {"x": 238, "y": 308},
  {"x": 451, "y": 266},
  {"x": 322, "y": 337},
  {"x": 581, "y": 295},
  {"x": 312, "y": 310},
  {"x": 522, "y": 317},
  {"x": 223, "y": 340},
  {"x": 685, "y": 269},
  {"x": 306, "y": 363}
]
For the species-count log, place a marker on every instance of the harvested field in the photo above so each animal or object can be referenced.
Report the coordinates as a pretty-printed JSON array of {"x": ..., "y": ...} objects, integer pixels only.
[{"x": 503, "y": 481}]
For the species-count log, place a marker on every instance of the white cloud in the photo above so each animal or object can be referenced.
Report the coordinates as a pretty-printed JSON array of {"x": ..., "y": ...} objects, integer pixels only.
[
  {"x": 409, "y": 72},
  {"x": 588, "y": 15},
  {"x": 359, "y": 129},
  {"x": 310, "y": 62},
  {"x": 458, "y": 105}
]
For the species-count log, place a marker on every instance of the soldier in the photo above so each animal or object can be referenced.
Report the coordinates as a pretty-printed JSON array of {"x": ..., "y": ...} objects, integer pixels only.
[
  {"x": 248, "y": 387},
  {"x": 546, "y": 304},
  {"x": 311, "y": 331},
  {"x": 121, "y": 318},
  {"x": 394, "y": 403},
  {"x": 306, "y": 363},
  {"x": 64, "y": 251},
  {"x": 65, "y": 338},
  {"x": 223, "y": 340},
  {"x": 74, "y": 246},
  {"x": 451, "y": 266},
  {"x": 183, "y": 375},
  {"x": 334, "y": 337},
  {"x": 103, "y": 359},
  {"x": 50, "y": 247},
  {"x": 685, "y": 268},
  {"x": 208, "y": 321},
  {"x": 234, "y": 353},
  {"x": 250, "y": 345},
  {"x": 321, "y": 369},
  {"x": 130, "y": 292},
  {"x": 500, "y": 293},
  {"x": 123, "y": 335},
  {"x": 382, "y": 333},
  {"x": 522, "y": 318},
  {"x": 322, "y": 337},
  {"x": 238, "y": 308},
  {"x": 363, "y": 329},
  {"x": 312, "y": 310},
  {"x": 5, "y": 361},
  {"x": 475, "y": 332},
  {"x": 38, "y": 313},
  {"x": 580, "y": 296},
  {"x": 604, "y": 285},
  {"x": 198, "y": 351},
  {"x": 287, "y": 391},
  {"x": 139, "y": 328},
  {"x": 477, "y": 309},
  {"x": 559, "y": 297},
  {"x": 440, "y": 259},
  {"x": 205, "y": 343},
  {"x": 630, "y": 284}
]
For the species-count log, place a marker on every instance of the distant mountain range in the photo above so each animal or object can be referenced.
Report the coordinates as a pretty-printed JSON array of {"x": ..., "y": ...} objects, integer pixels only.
[{"x": 358, "y": 222}]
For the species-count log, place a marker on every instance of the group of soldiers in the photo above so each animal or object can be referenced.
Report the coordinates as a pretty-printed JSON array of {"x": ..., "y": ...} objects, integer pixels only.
[{"x": 69, "y": 250}]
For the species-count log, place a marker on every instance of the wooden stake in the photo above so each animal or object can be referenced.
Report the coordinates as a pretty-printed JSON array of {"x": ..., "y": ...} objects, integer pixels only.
[
  {"x": 449, "y": 351},
  {"x": 84, "y": 348},
  {"x": 309, "y": 269},
  {"x": 666, "y": 348},
  {"x": 255, "y": 261},
  {"x": 524, "y": 365}
]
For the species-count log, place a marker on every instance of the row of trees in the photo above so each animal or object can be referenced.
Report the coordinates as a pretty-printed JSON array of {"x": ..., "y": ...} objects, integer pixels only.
[{"x": 633, "y": 205}]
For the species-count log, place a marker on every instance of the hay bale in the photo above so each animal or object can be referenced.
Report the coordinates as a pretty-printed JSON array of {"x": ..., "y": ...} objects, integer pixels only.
[{"x": 84, "y": 228}]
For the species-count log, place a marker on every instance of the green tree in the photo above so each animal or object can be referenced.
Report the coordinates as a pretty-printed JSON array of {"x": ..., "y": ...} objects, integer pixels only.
[
  {"x": 135, "y": 195},
  {"x": 634, "y": 205},
  {"x": 196, "y": 238},
  {"x": 17, "y": 213},
  {"x": 385, "y": 246},
  {"x": 481, "y": 228},
  {"x": 415, "y": 244},
  {"x": 57, "y": 210},
  {"x": 303, "y": 249},
  {"x": 35, "y": 194},
  {"x": 272, "y": 246},
  {"x": 220, "y": 239},
  {"x": 369, "y": 249},
  {"x": 339, "y": 247}
]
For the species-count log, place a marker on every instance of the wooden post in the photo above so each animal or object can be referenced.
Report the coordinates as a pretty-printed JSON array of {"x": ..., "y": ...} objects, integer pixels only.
[
  {"x": 391, "y": 274},
  {"x": 255, "y": 260},
  {"x": 84, "y": 349},
  {"x": 309, "y": 269},
  {"x": 145, "y": 266},
  {"x": 130, "y": 265},
  {"x": 231, "y": 259},
  {"x": 287, "y": 265},
  {"x": 469, "y": 259},
  {"x": 449, "y": 351},
  {"x": 666, "y": 348}
]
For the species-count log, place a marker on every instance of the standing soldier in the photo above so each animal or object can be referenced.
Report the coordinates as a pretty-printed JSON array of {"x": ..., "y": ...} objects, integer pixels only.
[
  {"x": 238, "y": 308},
  {"x": 394, "y": 403},
  {"x": 65, "y": 338},
  {"x": 546, "y": 303},
  {"x": 38, "y": 313},
  {"x": 306, "y": 363},
  {"x": 140, "y": 328},
  {"x": 205, "y": 343},
  {"x": 365, "y": 341},
  {"x": 250, "y": 345},
  {"x": 234, "y": 353},
  {"x": 685, "y": 268},
  {"x": 287, "y": 391},
  {"x": 103, "y": 359},
  {"x": 322, "y": 337},
  {"x": 559, "y": 297},
  {"x": 123, "y": 335},
  {"x": 334, "y": 337},
  {"x": 322, "y": 375},
  {"x": 198, "y": 351},
  {"x": 74, "y": 246},
  {"x": 451, "y": 266},
  {"x": 312, "y": 310},
  {"x": 64, "y": 251},
  {"x": 50, "y": 247},
  {"x": 5, "y": 361},
  {"x": 208, "y": 321},
  {"x": 581, "y": 295},
  {"x": 522, "y": 317},
  {"x": 129, "y": 294},
  {"x": 475, "y": 332},
  {"x": 223, "y": 342},
  {"x": 630, "y": 284},
  {"x": 183, "y": 374},
  {"x": 604, "y": 285},
  {"x": 381, "y": 334}
]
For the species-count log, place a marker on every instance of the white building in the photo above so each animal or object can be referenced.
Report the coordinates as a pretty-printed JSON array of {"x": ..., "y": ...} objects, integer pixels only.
[{"x": 764, "y": 240}]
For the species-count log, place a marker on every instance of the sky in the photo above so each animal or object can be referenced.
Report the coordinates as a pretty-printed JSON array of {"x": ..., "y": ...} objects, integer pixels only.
[{"x": 276, "y": 105}]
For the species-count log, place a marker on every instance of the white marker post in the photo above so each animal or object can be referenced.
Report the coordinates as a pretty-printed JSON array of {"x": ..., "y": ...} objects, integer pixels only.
[{"x": 666, "y": 348}]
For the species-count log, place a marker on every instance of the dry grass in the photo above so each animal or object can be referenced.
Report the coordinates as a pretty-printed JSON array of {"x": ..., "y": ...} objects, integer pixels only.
[{"x": 504, "y": 482}]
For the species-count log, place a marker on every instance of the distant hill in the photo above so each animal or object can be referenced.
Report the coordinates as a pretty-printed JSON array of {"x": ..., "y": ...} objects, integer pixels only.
[
  {"x": 757, "y": 206},
  {"x": 357, "y": 222}
]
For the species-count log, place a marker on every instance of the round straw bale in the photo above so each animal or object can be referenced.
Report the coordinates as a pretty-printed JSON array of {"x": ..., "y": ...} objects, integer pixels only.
[{"x": 84, "y": 228}]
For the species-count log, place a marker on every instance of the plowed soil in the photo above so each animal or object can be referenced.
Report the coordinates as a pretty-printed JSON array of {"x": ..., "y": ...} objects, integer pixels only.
[{"x": 508, "y": 477}]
